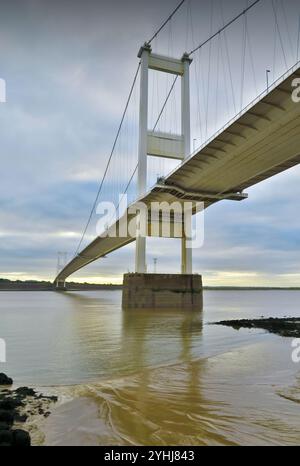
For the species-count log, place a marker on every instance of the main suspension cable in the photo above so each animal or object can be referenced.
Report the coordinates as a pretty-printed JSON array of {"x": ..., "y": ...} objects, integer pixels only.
[
  {"x": 166, "y": 22},
  {"x": 224, "y": 27},
  {"x": 109, "y": 160}
]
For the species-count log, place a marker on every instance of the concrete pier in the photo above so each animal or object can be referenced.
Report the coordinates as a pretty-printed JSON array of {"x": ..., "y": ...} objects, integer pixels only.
[
  {"x": 162, "y": 291},
  {"x": 60, "y": 286}
]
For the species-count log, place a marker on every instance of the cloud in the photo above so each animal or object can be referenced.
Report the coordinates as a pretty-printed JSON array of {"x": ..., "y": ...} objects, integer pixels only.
[{"x": 68, "y": 67}]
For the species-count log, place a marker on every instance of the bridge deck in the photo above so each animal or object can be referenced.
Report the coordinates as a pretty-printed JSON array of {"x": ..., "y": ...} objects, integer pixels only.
[{"x": 261, "y": 142}]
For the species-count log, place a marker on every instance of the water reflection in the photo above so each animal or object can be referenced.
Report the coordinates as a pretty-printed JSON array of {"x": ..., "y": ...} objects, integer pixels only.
[
  {"x": 110, "y": 341},
  {"x": 166, "y": 330},
  {"x": 145, "y": 331}
]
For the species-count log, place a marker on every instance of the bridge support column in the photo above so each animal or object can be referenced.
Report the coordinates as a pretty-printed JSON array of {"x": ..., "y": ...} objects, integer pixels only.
[
  {"x": 162, "y": 291},
  {"x": 186, "y": 253},
  {"x": 186, "y": 256},
  {"x": 140, "y": 253}
]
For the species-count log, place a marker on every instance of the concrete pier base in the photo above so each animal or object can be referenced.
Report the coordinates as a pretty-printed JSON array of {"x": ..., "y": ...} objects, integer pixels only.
[
  {"x": 60, "y": 286},
  {"x": 162, "y": 291}
]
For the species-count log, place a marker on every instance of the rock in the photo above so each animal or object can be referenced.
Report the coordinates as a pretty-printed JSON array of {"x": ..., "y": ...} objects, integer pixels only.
[
  {"x": 21, "y": 438},
  {"x": 20, "y": 417},
  {"x": 287, "y": 327},
  {"x": 10, "y": 403},
  {"x": 4, "y": 426},
  {"x": 53, "y": 399},
  {"x": 4, "y": 380},
  {"x": 6, "y": 416},
  {"x": 25, "y": 391},
  {"x": 6, "y": 437}
]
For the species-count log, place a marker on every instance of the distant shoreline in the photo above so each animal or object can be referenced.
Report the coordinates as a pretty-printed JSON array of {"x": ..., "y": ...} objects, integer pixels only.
[
  {"x": 251, "y": 288},
  {"x": 7, "y": 285}
]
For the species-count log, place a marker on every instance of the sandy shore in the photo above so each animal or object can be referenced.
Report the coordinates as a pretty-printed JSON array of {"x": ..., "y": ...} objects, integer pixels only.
[{"x": 22, "y": 410}]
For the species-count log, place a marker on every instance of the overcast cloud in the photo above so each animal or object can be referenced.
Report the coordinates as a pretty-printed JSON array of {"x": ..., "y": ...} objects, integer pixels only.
[{"x": 68, "y": 67}]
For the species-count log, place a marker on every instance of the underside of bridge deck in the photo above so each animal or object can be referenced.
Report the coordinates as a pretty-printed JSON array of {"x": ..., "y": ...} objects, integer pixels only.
[{"x": 261, "y": 142}]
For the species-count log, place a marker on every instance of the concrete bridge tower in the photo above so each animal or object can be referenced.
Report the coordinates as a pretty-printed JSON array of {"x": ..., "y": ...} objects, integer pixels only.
[{"x": 143, "y": 290}]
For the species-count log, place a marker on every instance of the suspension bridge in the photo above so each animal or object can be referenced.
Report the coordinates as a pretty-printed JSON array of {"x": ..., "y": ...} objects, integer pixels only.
[{"x": 258, "y": 142}]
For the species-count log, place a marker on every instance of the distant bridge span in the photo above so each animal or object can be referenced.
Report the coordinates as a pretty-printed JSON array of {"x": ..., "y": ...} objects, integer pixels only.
[{"x": 260, "y": 142}]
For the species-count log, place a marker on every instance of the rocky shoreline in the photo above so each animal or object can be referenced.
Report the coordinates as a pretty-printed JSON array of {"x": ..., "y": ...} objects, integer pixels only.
[
  {"x": 285, "y": 327},
  {"x": 16, "y": 406}
]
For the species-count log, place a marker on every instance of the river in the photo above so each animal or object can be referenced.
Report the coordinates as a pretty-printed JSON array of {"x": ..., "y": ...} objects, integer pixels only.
[{"x": 152, "y": 377}]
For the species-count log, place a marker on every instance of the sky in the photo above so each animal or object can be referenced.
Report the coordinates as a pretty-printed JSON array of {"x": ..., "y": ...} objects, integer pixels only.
[{"x": 68, "y": 68}]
